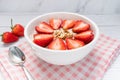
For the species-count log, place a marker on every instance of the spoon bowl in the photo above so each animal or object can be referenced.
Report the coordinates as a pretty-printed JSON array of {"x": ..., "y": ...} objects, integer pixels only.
[{"x": 17, "y": 57}]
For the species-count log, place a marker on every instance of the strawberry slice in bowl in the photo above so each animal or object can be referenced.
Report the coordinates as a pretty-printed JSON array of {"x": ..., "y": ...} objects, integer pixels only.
[
  {"x": 57, "y": 44},
  {"x": 44, "y": 27},
  {"x": 42, "y": 39},
  {"x": 55, "y": 23},
  {"x": 86, "y": 36},
  {"x": 81, "y": 26},
  {"x": 67, "y": 24},
  {"x": 74, "y": 43}
]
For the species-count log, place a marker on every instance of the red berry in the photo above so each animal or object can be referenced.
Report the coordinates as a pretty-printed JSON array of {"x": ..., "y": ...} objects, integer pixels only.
[
  {"x": 74, "y": 43},
  {"x": 67, "y": 24},
  {"x": 80, "y": 26},
  {"x": 85, "y": 36},
  {"x": 18, "y": 30},
  {"x": 55, "y": 23},
  {"x": 9, "y": 37},
  {"x": 42, "y": 39},
  {"x": 43, "y": 27},
  {"x": 57, "y": 44}
]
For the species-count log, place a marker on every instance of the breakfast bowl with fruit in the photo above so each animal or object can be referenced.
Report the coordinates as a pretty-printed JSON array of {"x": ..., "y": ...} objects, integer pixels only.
[{"x": 61, "y": 38}]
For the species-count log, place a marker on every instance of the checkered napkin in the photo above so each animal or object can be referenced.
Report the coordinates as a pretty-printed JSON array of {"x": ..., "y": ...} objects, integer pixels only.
[{"x": 92, "y": 67}]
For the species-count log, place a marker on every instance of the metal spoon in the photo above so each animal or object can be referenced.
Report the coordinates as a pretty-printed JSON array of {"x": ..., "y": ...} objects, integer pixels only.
[{"x": 17, "y": 57}]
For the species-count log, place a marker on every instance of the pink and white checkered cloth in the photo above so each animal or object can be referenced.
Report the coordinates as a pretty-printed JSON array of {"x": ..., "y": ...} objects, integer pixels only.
[{"x": 92, "y": 67}]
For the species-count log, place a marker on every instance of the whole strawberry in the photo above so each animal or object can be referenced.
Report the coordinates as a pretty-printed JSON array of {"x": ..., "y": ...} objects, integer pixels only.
[
  {"x": 8, "y": 37},
  {"x": 17, "y": 29}
]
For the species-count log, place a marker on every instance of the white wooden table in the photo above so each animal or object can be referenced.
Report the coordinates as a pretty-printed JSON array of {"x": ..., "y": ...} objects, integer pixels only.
[{"x": 108, "y": 24}]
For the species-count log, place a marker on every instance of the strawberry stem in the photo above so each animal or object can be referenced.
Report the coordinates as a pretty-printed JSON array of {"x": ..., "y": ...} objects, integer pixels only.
[{"x": 11, "y": 23}]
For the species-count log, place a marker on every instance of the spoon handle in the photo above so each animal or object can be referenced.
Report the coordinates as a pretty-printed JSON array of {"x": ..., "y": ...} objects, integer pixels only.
[{"x": 27, "y": 73}]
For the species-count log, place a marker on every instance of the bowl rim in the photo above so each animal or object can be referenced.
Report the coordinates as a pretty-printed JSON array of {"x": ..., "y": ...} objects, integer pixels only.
[{"x": 62, "y": 51}]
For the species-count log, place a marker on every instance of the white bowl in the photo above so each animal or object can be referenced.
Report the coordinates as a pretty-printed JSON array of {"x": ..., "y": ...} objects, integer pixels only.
[{"x": 60, "y": 57}]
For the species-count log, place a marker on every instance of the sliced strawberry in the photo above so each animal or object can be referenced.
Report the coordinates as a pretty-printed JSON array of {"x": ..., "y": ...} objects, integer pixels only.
[
  {"x": 9, "y": 37},
  {"x": 74, "y": 43},
  {"x": 43, "y": 27},
  {"x": 57, "y": 44},
  {"x": 80, "y": 26},
  {"x": 18, "y": 30},
  {"x": 55, "y": 23},
  {"x": 86, "y": 36},
  {"x": 43, "y": 39},
  {"x": 67, "y": 24}
]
